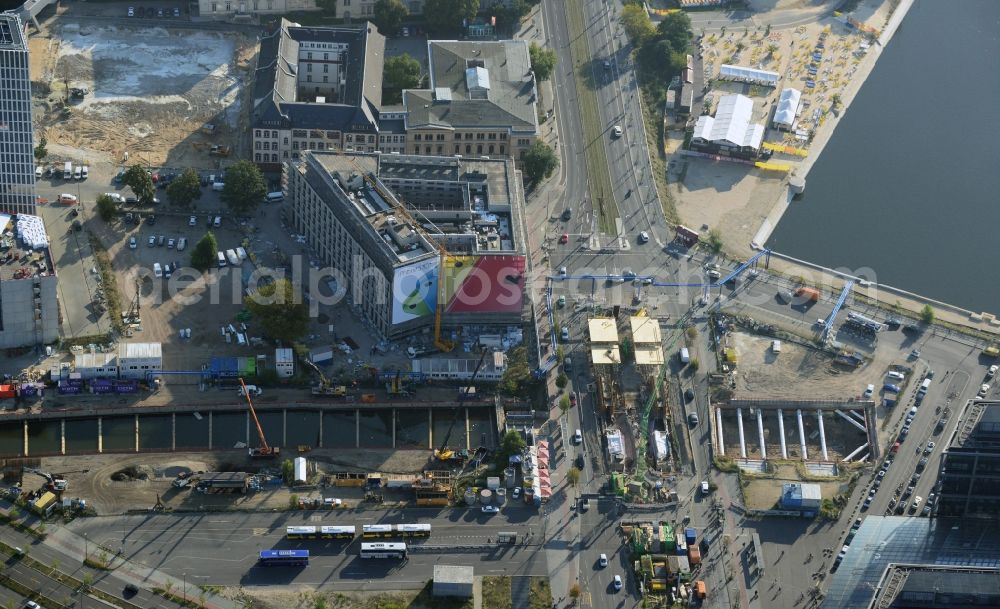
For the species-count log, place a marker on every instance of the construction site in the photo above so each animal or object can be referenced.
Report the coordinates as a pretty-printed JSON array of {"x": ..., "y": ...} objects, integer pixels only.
[{"x": 105, "y": 90}]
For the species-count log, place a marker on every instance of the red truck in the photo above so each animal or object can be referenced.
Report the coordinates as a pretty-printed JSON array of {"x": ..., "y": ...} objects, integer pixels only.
[{"x": 810, "y": 294}]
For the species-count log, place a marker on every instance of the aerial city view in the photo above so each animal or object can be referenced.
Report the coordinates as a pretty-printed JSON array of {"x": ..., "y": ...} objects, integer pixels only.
[{"x": 499, "y": 304}]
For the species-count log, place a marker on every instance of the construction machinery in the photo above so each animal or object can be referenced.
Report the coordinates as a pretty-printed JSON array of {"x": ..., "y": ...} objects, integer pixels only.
[
  {"x": 395, "y": 386},
  {"x": 444, "y": 453},
  {"x": 217, "y": 150},
  {"x": 265, "y": 451},
  {"x": 400, "y": 208},
  {"x": 55, "y": 484},
  {"x": 324, "y": 386}
]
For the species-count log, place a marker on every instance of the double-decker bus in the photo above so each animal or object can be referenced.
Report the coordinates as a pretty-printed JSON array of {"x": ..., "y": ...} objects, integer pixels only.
[
  {"x": 285, "y": 558},
  {"x": 300, "y": 532},
  {"x": 383, "y": 550},
  {"x": 342, "y": 532},
  {"x": 376, "y": 530},
  {"x": 413, "y": 530}
]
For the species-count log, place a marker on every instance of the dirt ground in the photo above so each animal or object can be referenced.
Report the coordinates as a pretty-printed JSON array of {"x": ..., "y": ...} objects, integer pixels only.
[
  {"x": 842, "y": 438},
  {"x": 764, "y": 493},
  {"x": 151, "y": 474},
  {"x": 149, "y": 90}
]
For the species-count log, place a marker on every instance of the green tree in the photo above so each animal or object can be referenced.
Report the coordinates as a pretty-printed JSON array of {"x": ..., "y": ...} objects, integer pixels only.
[
  {"x": 293, "y": 501},
  {"x": 564, "y": 404},
  {"x": 511, "y": 444},
  {"x": 245, "y": 187},
  {"x": 40, "y": 150},
  {"x": 715, "y": 240},
  {"x": 287, "y": 470},
  {"x": 562, "y": 380},
  {"x": 203, "y": 256},
  {"x": 927, "y": 314},
  {"x": 106, "y": 208},
  {"x": 388, "y": 15},
  {"x": 517, "y": 378},
  {"x": 661, "y": 59},
  {"x": 573, "y": 476},
  {"x": 280, "y": 310},
  {"x": 675, "y": 29},
  {"x": 635, "y": 21},
  {"x": 574, "y": 591},
  {"x": 186, "y": 189},
  {"x": 141, "y": 183},
  {"x": 540, "y": 161},
  {"x": 511, "y": 15},
  {"x": 543, "y": 61},
  {"x": 400, "y": 72},
  {"x": 447, "y": 15}
]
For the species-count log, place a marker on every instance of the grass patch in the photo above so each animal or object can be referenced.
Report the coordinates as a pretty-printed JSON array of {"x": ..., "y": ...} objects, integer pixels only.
[
  {"x": 171, "y": 595},
  {"x": 599, "y": 180},
  {"x": 654, "y": 143},
  {"x": 540, "y": 593},
  {"x": 96, "y": 563},
  {"x": 496, "y": 592},
  {"x": 108, "y": 281}
]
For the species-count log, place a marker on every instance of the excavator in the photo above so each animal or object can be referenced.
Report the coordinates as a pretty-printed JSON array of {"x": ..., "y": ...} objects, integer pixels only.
[
  {"x": 265, "y": 451},
  {"x": 444, "y": 453},
  {"x": 55, "y": 484},
  {"x": 324, "y": 386}
]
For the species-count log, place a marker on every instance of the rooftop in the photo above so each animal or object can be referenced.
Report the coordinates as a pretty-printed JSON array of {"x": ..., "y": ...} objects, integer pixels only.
[
  {"x": 937, "y": 588},
  {"x": 649, "y": 356},
  {"x": 140, "y": 350},
  {"x": 885, "y": 540},
  {"x": 645, "y": 331},
  {"x": 10, "y": 33},
  {"x": 453, "y": 574},
  {"x": 359, "y": 52},
  {"x": 21, "y": 256},
  {"x": 605, "y": 354},
  {"x": 788, "y": 103},
  {"x": 731, "y": 123},
  {"x": 603, "y": 330},
  {"x": 475, "y": 84},
  {"x": 978, "y": 427}
]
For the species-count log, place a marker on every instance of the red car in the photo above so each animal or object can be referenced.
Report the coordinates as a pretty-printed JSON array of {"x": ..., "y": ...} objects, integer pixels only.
[{"x": 564, "y": 238}]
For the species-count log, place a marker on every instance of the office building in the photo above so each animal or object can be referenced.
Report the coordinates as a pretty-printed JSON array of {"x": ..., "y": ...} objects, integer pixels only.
[
  {"x": 316, "y": 88},
  {"x": 247, "y": 9},
  {"x": 969, "y": 475},
  {"x": 17, "y": 148},
  {"x": 376, "y": 221}
]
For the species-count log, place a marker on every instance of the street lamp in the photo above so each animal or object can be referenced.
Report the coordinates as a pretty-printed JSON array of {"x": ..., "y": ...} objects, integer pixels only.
[{"x": 185, "y": 576}]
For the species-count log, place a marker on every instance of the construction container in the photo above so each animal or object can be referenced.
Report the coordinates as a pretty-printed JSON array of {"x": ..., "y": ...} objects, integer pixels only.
[
  {"x": 284, "y": 362},
  {"x": 470, "y": 496},
  {"x": 667, "y": 538},
  {"x": 301, "y": 474},
  {"x": 501, "y": 496},
  {"x": 486, "y": 497},
  {"x": 682, "y": 548},
  {"x": 510, "y": 477},
  {"x": 7, "y": 391},
  {"x": 690, "y": 535},
  {"x": 699, "y": 589},
  {"x": 694, "y": 555}
]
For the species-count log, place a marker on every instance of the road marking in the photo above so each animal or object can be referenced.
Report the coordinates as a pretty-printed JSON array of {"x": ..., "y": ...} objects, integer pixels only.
[
  {"x": 586, "y": 599},
  {"x": 260, "y": 532}
]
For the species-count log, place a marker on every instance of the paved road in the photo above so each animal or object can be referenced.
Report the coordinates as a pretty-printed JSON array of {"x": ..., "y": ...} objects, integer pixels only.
[{"x": 169, "y": 542}]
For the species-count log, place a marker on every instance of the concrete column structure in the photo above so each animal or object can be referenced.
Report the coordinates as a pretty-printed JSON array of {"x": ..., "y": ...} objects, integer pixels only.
[
  {"x": 100, "y": 435},
  {"x": 62, "y": 436},
  {"x": 822, "y": 435},
  {"x": 136, "y": 433},
  {"x": 781, "y": 433},
  {"x": 357, "y": 428},
  {"x": 743, "y": 439},
  {"x": 320, "y": 439},
  {"x": 25, "y": 446},
  {"x": 468, "y": 430},
  {"x": 802, "y": 434},
  {"x": 173, "y": 431},
  {"x": 209, "y": 430},
  {"x": 760, "y": 433},
  {"x": 247, "y": 438},
  {"x": 394, "y": 428},
  {"x": 284, "y": 427},
  {"x": 430, "y": 428}
]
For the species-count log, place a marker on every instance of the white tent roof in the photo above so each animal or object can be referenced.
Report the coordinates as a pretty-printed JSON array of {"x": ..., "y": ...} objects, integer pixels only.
[
  {"x": 731, "y": 123},
  {"x": 748, "y": 74},
  {"x": 788, "y": 104}
]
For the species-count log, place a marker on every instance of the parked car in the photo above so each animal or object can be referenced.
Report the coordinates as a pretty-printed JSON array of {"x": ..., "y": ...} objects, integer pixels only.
[
  {"x": 132, "y": 243},
  {"x": 891, "y": 388},
  {"x": 152, "y": 241},
  {"x": 693, "y": 419},
  {"x": 490, "y": 509},
  {"x": 643, "y": 237},
  {"x": 869, "y": 391},
  {"x": 192, "y": 221},
  {"x": 617, "y": 582},
  {"x": 602, "y": 560},
  {"x": 131, "y": 11}
]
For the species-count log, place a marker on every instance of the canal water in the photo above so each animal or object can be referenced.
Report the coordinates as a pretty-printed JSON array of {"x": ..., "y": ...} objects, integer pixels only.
[
  {"x": 908, "y": 183},
  {"x": 292, "y": 428}
]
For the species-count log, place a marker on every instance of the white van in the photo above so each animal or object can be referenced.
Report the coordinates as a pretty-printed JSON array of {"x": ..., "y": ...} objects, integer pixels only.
[
  {"x": 181, "y": 243},
  {"x": 578, "y": 437},
  {"x": 222, "y": 259},
  {"x": 253, "y": 390},
  {"x": 217, "y": 222},
  {"x": 925, "y": 386},
  {"x": 38, "y": 172},
  {"x": 218, "y": 186},
  {"x": 78, "y": 172},
  {"x": 67, "y": 170},
  {"x": 685, "y": 355},
  {"x": 233, "y": 259},
  {"x": 895, "y": 375},
  {"x": 157, "y": 270},
  {"x": 275, "y": 197},
  {"x": 241, "y": 253}
]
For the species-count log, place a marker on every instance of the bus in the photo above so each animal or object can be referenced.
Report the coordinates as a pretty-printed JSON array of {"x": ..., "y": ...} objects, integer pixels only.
[
  {"x": 383, "y": 550},
  {"x": 376, "y": 530},
  {"x": 284, "y": 558},
  {"x": 413, "y": 530},
  {"x": 300, "y": 532},
  {"x": 346, "y": 532}
]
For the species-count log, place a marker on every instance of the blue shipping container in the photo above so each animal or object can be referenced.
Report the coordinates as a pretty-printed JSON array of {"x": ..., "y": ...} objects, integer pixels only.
[
  {"x": 29, "y": 391},
  {"x": 101, "y": 389},
  {"x": 74, "y": 382},
  {"x": 690, "y": 535},
  {"x": 69, "y": 390},
  {"x": 126, "y": 386}
]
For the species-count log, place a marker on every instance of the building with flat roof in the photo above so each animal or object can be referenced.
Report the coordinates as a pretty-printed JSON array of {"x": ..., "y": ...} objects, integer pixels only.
[
  {"x": 969, "y": 474},
  {"x": 932, "y": 587},
  {"x": 139, "y": 360},
  {"x": 316, "y": 88},
  {"x": 453, "y": 580},
  {"x": 17, "y": 147},
  {"x": 602, "y": 330},
  {"x": 247, "y": 9},
  {"x": 29, "y": 302},
  {"x": 379, "y": 220},
  {"x": 730, "y": 132},
  {"x": 482, "y": 101}
]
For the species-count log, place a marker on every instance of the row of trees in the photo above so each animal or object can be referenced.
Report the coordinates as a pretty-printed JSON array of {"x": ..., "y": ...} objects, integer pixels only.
[
  {"x": 661, "y": 50},
  {"x": 244, "y": 189},
  {"x": 443, "y": 16}
]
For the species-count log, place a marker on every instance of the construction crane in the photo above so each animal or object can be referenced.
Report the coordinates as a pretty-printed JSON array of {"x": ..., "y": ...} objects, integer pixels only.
[
  {"x": 55, "y": 482},
  {"x": 444, "y": 453},
  {"x": 400, "y": 208},
  {"x": 265, "y": 451}
]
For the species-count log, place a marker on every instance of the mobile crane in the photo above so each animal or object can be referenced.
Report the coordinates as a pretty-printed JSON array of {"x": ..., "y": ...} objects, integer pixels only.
[
  {"x": 265, "y": 451},
  {"x": 444, "y": 453},
  {"x": 55, "y": 482}
]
